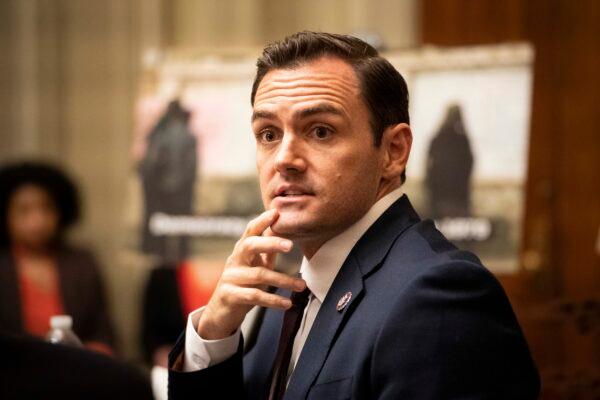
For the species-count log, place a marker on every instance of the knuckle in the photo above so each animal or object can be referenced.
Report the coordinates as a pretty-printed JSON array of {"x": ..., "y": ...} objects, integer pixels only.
[
  {"x": 251, "y": 226},
  {"x": 225, "y": 298},
  {"x": 249, "y": 245},
  {"x": 282, "y": 280},
  {"x": 227, "y": 275},
  {"x": 252, "y": 295},
  {"x": 237, "y": 244},
  {"x": 260, "y": 274},
  {"x": 230, "y": 260},
  {"x": 227, "y": 295}
]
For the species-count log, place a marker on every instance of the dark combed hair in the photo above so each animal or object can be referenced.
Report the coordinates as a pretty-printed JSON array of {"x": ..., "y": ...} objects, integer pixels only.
[
  {"x": 383, "y": 89},
  {"x": 55, "y": 182}
]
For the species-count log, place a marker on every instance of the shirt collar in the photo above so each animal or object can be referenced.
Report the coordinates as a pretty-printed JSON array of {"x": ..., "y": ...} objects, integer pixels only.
[{"x": 320, "y": 271}]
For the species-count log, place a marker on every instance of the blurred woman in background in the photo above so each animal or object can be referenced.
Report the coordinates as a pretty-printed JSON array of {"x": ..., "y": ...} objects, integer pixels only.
[{"x": 40, "y": 275}]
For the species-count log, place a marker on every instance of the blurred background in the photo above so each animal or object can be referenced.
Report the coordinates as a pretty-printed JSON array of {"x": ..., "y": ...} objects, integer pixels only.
[{"x": 92, "y": 87}]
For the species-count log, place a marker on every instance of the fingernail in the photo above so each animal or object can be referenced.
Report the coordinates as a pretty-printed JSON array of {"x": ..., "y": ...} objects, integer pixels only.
[
  {"x": 286, "y": 245},
  {"x": 286, "y": 303},
  {"x": 300, "y": 285}
]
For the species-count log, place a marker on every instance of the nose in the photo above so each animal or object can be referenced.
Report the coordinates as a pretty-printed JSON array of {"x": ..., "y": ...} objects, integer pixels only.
[{"x": 290, "y": 156}]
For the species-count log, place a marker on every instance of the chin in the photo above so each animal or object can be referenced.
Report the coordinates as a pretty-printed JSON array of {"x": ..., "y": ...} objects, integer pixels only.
[
  {"x": 284, "y": 230},
  {"x": 292, "y": 228}
]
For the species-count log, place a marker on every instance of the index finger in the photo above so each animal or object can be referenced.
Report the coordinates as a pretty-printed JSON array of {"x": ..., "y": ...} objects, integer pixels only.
[{"x": 258, "y": 225}]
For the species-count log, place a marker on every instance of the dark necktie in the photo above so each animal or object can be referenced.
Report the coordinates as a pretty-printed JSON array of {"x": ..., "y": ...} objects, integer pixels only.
[{"x": 291, "y": 322}]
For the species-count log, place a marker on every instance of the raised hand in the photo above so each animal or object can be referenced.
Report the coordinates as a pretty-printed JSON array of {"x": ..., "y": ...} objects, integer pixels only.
[{"x": 247, "y": 273}]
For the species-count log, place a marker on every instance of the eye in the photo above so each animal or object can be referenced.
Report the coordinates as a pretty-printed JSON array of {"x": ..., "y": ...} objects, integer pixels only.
[
  {"x": 267, "y": 136},
  {"x": 321, "y": 132}
]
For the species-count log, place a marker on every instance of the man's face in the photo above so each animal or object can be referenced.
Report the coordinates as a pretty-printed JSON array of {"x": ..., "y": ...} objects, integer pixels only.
[{"x": 317, "y": 162}]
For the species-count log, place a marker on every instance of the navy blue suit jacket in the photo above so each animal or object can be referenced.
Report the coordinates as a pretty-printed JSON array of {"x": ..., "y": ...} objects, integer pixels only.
[{"x": 425, "y": 321}]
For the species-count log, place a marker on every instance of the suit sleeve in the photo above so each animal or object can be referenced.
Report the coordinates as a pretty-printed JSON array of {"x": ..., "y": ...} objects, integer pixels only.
[
  {"x": 223, "y": 380},
  {"x": 452, "y": 334}
]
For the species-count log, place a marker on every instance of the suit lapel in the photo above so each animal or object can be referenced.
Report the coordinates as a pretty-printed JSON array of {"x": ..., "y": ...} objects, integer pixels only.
[
  {"x": 368, "y": 253},
  {"x": 324, "y": 329}
]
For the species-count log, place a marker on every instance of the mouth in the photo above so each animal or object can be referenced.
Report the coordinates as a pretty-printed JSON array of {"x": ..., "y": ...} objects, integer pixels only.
[
  {"x": 291, "y": 194},
  {"x": 292, "y": 191}
]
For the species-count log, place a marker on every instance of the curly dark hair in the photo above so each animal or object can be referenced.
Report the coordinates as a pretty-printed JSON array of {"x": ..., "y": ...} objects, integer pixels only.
[{"x": 53, "y": 180}]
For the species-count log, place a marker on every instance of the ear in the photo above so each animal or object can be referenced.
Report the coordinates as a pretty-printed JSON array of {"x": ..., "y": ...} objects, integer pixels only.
[{"x": 395, "y": 143}]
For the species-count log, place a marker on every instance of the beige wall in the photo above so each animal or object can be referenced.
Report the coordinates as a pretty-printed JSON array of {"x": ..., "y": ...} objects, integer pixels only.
[
  {"x": 68, "y": 80},
  {"x": 210, "y": 23}
]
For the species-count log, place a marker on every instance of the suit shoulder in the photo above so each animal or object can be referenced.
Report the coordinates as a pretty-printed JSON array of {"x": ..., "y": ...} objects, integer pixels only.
[
  {"x": 422, "y": 251},
  {"x": 450, "y": 314},
  {"x": 426, "y": 270},
  {"x": 424, "y": 241}
]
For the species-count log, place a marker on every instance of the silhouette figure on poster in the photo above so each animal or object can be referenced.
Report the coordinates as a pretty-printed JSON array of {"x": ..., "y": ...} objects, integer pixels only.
[
  {"x": 449, "y": 168},
  {"x": 168, "y": 174}
]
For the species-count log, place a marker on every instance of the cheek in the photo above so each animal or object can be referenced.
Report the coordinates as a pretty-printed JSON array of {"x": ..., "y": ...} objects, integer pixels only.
[
  {"x": 264, "y": 177},
  {"x": 51, "y": 222},
  {"x": 356, "y": 165},
  {"x": 359, "y": 173}
]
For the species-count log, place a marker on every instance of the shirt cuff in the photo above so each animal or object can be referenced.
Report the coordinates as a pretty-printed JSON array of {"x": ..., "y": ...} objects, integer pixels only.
[{"x": 199, "y": 353}]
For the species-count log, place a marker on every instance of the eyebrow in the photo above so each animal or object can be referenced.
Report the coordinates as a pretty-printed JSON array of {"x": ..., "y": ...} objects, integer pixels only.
[
  {"x": 319, "y": 109},
  {"x": 262, "y": 114},
  {"x": 304, "y": 113}
]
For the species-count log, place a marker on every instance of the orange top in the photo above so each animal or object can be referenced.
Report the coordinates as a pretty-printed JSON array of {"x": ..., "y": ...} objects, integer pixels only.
[
  {"x": 193, "y": 290},
  {"x": 38, "y": 304}
]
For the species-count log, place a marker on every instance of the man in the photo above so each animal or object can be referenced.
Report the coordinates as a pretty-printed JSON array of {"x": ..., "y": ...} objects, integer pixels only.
[{"x": 394, "y": 310}]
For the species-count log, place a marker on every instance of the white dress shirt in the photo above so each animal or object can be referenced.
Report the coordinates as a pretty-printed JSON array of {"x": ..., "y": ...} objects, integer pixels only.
[{"x": 319, "y": 273}]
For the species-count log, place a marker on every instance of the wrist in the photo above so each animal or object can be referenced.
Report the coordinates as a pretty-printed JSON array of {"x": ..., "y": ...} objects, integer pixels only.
[{"x": 208, "y": 329}]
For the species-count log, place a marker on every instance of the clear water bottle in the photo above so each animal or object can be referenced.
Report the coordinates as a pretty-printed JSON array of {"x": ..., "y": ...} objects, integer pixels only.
[{"x": 61, "y": 331}]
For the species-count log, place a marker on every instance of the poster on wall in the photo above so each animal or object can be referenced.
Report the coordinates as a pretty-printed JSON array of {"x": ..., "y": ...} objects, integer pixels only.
[
  {"x": 195, "y": 161},
  {"x": 470, "y": 111},
  {"x": 469, "y": 107}
]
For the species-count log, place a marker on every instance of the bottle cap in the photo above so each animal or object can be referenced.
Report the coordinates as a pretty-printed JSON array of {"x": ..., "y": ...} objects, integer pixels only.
[{"x": 61, "y": 322}]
